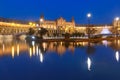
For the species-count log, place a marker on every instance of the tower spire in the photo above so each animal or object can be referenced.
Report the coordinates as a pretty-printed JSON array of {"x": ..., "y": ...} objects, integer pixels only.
[
  {"x": 42, "y": 16},
  {"x": 72, "y": 19}
]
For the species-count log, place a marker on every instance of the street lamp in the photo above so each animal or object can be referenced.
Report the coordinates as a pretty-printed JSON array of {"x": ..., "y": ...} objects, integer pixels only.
[
  {"x": 88, "y": 17},
  {"x": 117, "y": 19}
]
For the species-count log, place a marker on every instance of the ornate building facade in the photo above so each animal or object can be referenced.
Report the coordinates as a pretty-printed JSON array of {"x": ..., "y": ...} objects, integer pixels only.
[
  {"x": 9, "y": 26},
  {"x": 59, "y": 23},
  {"x": 116, "y": 25},
  {"x": 55, "y": 28},
  {"x": 61, "y": 26}
]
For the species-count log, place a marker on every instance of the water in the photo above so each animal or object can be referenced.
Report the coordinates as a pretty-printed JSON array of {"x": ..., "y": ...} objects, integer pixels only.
[{"x": 30, "y": 60}]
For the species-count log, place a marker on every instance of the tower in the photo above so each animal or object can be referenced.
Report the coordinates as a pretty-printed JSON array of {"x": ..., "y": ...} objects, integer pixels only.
[
  {"x": 41, "y": 18},
  {"x": 73, "y": 22}
]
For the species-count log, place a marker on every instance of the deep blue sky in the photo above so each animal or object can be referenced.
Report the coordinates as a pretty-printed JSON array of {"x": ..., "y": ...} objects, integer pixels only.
[{"x": 103, "y": 11}]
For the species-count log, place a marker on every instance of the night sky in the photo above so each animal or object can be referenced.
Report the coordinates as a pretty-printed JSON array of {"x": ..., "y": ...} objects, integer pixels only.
[{"x": 103, "y": 11}]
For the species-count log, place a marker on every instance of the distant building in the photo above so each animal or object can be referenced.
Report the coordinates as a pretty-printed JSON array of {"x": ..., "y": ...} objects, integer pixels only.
[
  {"x": 56, "y": 27},
  {"x": 116, "y": 24},
  {"x": 10, "y": 26},
  {"x": 61, "y": 26}
]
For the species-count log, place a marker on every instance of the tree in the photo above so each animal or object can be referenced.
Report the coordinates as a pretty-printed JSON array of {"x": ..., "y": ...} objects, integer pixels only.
[
  {"x": 91, "y": 31},
  {"x": 67, "y": 35},
  {"x": 31, "y": 31},
  {"x": 42, "y": 32},
  {"x": 78, "y": 34}
]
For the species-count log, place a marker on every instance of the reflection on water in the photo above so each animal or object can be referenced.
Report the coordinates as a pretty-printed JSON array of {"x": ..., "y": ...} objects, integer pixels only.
[
  {"x": 30, "y": 52},
  {"x": 15, "y": 48},
  {"x": 117, "y": 56},
  {"x": 18, "y": 49},
  {"x": 41, "y": 56},
  {"x": 13, "y": 52},
  {"x": 89, "y": 62},
  {"x": 105, "y": 43}
]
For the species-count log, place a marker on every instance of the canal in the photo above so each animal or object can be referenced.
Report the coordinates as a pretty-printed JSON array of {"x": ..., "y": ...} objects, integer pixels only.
[{"x": 31, "y": 60}]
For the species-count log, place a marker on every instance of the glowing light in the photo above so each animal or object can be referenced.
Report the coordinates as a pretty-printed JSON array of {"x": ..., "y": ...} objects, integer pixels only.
[
  {"x": 105, "y": 42},
  {"x": 33, "y": 37},
  {"x": 118, "y": 41},
  {"x": 37, "y": 25},
  {"x": 61, "y": 43},
  {"x": 34, "y": 24},
  {"x": 13, "y": 52},
  {"x": 18, "y": 24},
  {"x": 117, "y": 56},
  {"x": 39, "y": 28},
  {"x": 77, "y": 44},
  {"x": 44, "y": 46},
  {"x": 41, "y": 56},
  {"x": 13, "y": 24},
  {"x": 89, "y": 15},
  {"x": 30, "y": 23},
  {"x": 30, "y": 51},
  {"x": 33, "y": 43},
  {"x": 89, "y": 64},
  {"x": 18, "y": 50},
  {"x": 66, "y": 29},
  {"x": 34, "y": 50},
  {"x": 117, "y": 19},
  {"x": 41, "y": 20},
  {"x": 3, "y": 47}
]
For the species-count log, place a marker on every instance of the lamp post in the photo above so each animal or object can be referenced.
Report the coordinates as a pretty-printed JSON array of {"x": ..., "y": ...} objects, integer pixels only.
[
  {"x": 88, "y": 17},
  {"x": 117, "y": 19},
  {"x": 116, "y": 31}
]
